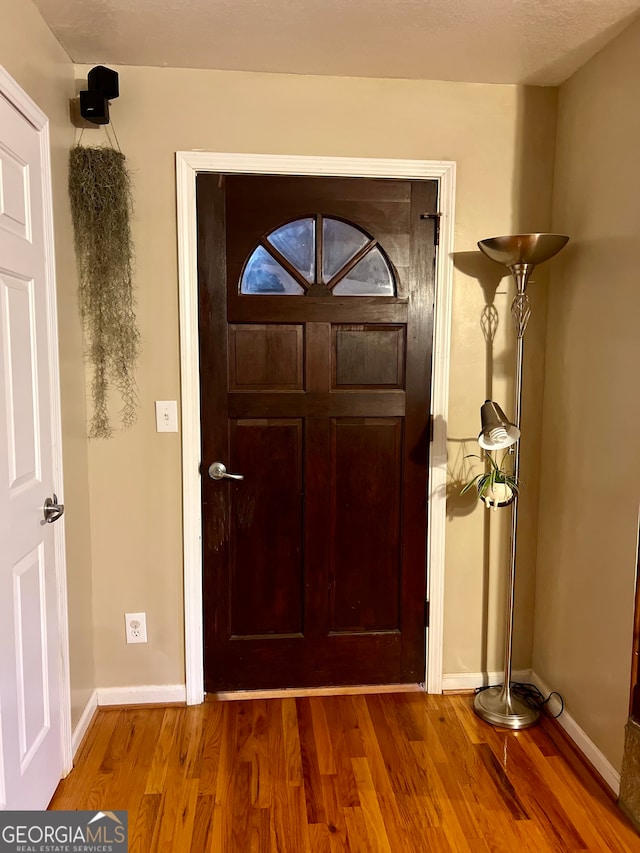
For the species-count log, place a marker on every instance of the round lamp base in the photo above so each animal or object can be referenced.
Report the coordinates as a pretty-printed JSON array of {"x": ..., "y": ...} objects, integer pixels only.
[{"x": 501, "y": 708}]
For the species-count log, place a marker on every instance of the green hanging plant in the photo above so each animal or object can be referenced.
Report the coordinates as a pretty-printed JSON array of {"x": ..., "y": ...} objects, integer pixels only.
[
  {"x": 101, "y": 202},
  {"x": 496, "y": 487}
]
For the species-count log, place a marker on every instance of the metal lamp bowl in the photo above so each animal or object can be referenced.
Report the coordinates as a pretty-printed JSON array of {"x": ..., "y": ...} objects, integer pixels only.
[{"x": 522, "y": 248}]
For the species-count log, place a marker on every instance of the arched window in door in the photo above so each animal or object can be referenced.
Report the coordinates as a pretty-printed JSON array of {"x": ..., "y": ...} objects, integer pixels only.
[{"x": 318, "y": 256}]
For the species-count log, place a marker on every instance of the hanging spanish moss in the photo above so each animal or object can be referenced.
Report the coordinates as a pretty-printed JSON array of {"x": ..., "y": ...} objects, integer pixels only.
[{"x": 100, "y": 192}]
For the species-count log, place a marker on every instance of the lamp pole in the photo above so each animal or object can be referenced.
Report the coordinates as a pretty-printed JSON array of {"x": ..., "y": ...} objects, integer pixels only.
[
  {"x": 520, "y": 253},
  {"x": 520, "y": 311}
]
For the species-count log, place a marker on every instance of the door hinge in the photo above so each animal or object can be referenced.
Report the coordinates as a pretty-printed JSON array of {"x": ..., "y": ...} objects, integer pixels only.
[
  {"x": 431, "y": 428},
  {"x": 426, "y": 614},
  {"x": 436, "y": 222}
]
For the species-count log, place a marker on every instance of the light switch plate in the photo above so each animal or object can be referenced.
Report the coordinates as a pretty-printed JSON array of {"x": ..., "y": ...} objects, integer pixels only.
[{"x": 166, "y": 416}]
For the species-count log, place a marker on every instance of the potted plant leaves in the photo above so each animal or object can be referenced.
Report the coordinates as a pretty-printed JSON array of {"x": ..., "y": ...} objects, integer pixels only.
[{"x": 496, "y": 487}]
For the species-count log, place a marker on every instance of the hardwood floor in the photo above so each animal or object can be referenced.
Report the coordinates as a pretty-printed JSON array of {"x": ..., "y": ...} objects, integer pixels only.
[{"x": 399, "y": 773}]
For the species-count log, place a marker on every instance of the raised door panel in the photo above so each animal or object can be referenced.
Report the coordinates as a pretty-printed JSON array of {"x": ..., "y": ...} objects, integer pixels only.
[
  {"x": 266, "y": 358},
  {"x": 17, "y": 321},
  {"x": 365, "y": 573},
  {"x": 29, "y": 596},
  {"x": 15, "y": 195},
  {"x": 266, "y": 528},
  {"x": 368, "y": 356}
]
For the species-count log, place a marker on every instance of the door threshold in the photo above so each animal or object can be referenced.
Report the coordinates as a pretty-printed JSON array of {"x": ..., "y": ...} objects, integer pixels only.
[{"x": 302, "y": 692}]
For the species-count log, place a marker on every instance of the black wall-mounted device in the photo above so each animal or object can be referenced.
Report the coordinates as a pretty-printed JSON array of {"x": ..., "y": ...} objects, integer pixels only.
[{"x": 103, "y": 86}]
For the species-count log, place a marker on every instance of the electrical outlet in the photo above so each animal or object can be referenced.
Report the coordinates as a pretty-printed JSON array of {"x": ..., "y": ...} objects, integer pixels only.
[{"x": 136, "y": 627}]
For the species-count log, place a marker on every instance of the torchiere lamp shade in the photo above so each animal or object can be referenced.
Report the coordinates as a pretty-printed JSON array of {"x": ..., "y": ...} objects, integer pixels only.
[{"x": 513, "y": 249}]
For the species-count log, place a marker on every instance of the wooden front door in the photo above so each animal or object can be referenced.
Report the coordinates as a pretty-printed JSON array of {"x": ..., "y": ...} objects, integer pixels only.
[{"x": 316, "y": 310}]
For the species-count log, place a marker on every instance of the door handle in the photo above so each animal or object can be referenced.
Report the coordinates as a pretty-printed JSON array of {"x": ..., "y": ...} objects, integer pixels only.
[
  {"x": 217, "y": 471},
  {"x": 52, "y": 509}
]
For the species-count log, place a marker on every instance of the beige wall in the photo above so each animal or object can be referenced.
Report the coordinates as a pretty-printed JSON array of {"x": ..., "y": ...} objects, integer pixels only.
[
  {"x": 502, "y": 138},
  {"x": 589, "y": 511},
  {"x": 34, "y": 58}
]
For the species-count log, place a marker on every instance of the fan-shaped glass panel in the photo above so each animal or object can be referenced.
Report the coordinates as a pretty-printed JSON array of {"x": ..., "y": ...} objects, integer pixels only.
[
  {"x": 263, "y": 274},
  {"x": 370, "y": 277},
  {"x": 295, "y": 245},
  {"x": 296, "y": 241},
  {"x": 340, "y": 242}
]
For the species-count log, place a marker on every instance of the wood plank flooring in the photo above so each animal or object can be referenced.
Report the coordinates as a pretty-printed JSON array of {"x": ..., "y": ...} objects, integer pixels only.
[{"x": 396, "y": 773}]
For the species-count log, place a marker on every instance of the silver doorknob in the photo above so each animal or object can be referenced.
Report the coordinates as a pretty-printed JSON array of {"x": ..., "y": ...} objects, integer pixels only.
[
  {"x": 52, "y": 509},
  {"x": 217, "y": 471}
]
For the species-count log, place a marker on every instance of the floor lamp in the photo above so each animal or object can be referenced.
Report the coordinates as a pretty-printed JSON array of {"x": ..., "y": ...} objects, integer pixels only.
[{"x": 521, "y": 253}]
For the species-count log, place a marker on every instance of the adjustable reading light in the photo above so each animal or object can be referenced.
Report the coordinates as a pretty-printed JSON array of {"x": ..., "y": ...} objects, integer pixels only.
[{"x": 497, "y": 432}]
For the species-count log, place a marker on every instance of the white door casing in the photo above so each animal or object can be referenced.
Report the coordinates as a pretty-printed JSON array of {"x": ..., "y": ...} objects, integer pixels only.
[
  {"x": 35, "y": 743},
  {"x": 188, "y": 165}
]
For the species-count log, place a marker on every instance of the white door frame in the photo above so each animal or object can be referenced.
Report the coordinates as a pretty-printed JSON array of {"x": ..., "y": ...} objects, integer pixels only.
[
  {"x": 188, "y": 165},
  {"x": 16, "y": 96}
]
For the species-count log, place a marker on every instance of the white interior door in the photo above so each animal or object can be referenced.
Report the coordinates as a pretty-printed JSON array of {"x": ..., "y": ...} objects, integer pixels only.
[{"x": 32, "y": 692}]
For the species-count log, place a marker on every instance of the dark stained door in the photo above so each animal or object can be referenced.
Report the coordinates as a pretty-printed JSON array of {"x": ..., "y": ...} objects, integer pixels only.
[{"x": 316, "y": 309}]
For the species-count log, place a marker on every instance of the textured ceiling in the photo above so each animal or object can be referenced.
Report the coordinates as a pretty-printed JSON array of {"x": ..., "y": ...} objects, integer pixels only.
[{"x": 539, "y": 42}]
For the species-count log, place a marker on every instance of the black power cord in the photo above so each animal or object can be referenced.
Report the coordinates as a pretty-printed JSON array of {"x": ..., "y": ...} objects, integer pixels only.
[{"x": 530, "y": 694}]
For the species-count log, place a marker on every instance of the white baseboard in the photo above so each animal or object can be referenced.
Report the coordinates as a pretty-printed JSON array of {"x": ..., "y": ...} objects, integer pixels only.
[
  {"x": 587, "y": 747},
  {"x": 84, "y": 722},
  {"x": 144, "y": 694},
  {"x": 601, "y": 764},
  {"x": 472, "y": 680}
]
